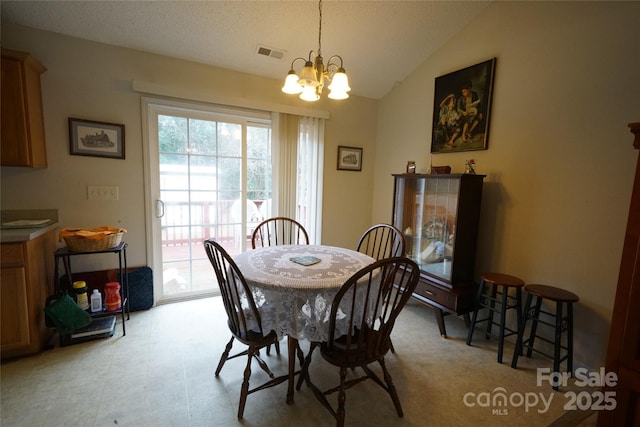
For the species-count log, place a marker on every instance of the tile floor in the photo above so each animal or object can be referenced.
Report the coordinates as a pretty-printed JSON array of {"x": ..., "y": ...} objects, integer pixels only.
[{"x": 162, "y": 374}]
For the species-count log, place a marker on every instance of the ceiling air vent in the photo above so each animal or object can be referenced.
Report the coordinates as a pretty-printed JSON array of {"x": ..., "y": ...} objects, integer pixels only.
[{"x": 271, "y": 52}]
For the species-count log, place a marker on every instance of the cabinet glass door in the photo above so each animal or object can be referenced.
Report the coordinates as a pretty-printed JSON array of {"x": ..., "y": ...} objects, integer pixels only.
[
  {"x": 438, "y": 227},
  {"x": 426, "y": 211}
]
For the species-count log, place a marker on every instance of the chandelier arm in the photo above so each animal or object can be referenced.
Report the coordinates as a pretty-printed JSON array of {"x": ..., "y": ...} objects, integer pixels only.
[
  {"x": 294, "y": 61},
  {"x": 336, "y": 67},
  {"x": 332, "y": 58},
  {"x": 313, "y": 55}
]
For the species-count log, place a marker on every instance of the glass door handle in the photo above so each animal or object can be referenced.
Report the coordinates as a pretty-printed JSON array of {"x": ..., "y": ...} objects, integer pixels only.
[{"x": 159, "y": 208}]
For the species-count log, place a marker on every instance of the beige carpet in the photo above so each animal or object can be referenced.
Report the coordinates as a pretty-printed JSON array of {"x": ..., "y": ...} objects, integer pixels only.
[{"x": 162, "y": 374}]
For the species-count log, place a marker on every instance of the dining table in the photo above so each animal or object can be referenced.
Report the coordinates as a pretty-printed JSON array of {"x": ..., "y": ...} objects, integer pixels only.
[{"x": 293, "y": 287}]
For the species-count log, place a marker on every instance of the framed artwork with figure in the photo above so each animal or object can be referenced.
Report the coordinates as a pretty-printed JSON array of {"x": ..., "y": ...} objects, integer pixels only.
[{"x": 462, "y": 109}]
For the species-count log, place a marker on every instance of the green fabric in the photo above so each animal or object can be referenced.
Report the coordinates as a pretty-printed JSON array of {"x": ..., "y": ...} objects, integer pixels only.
[{"x": 66, "y": 315}]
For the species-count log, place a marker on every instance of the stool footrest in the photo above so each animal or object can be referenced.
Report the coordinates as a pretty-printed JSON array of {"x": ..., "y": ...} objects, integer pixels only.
[
  {"x": 550, "y": 356},
  {"x": 544, "y": 322},
  {"x": 507, "y": 333}
]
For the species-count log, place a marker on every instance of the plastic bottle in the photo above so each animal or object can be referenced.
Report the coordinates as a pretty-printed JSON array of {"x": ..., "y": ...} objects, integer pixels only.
[
  {"x": 80, "y": 289},
  {"x": 96, "y": 301},
  {"x": 112, "y": 299}
]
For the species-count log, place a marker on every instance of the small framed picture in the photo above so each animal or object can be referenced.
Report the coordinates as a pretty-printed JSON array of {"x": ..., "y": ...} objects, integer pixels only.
[
  {"x": 96, "y": 139},
  {"x": 349, "y": 158}
]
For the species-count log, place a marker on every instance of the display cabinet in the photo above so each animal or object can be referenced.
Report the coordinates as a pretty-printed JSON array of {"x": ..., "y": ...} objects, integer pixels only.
[{"x": 439, "y": 215}]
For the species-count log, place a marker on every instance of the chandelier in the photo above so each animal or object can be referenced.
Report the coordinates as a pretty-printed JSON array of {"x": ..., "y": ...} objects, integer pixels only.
[{"x": 314, "y": 73}]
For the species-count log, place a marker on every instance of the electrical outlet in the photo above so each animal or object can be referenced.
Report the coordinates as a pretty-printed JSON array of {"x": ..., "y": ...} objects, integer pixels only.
[{"x": 101, "y": 192}]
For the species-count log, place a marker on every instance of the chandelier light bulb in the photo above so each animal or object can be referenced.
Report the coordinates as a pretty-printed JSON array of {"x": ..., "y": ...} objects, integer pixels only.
[
  {"x": 309, "y": 94},
  {"x": 291, "y": 85},
  {"x": 339, "y": 85}
]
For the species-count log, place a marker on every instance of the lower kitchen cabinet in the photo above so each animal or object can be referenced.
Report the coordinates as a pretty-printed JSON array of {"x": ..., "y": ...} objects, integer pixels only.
[{"x": 26, "y": 280}]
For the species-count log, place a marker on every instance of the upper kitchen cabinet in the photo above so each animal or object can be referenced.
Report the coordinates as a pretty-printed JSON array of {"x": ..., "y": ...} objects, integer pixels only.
[{"x": 23, "y": 138}]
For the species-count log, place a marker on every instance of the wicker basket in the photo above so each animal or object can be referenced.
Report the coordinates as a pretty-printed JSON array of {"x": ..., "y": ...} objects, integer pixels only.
[{"x": 83, "y": 244}]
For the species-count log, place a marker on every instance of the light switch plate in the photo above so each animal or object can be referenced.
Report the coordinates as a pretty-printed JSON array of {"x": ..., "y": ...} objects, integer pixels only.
[{"x": 101, "y": 192}]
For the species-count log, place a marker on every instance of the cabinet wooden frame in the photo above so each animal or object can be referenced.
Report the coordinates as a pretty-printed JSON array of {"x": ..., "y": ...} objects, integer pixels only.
[{"x": 96, "y": 139}]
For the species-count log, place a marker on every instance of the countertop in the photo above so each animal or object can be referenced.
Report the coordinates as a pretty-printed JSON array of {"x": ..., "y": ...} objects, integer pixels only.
[{"x": 10, "y": 235}]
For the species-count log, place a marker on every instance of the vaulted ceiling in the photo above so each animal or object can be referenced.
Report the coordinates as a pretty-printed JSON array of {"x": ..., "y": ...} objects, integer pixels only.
[{"x": 381, "y": 42}]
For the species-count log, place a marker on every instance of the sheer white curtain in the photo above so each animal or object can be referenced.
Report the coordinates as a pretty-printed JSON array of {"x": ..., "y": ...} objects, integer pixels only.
[
  {"x": 298, "y": 150},
  {"x": 285, "y": 157},
  {"x": 310, "y": 169}
]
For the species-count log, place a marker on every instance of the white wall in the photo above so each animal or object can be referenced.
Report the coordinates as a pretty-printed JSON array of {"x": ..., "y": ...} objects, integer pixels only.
[
  {"x": 559, "y": 162},
  {"x": 94, "y": 81}
]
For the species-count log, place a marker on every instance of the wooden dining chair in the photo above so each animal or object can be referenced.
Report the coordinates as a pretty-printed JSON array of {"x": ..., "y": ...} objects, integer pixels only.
[
  {"x": 382, "y": 241},
  {"x": 279, "y": 230},
  {"x": 243, "y": 319},
  {"x": 371, "y": 299}
]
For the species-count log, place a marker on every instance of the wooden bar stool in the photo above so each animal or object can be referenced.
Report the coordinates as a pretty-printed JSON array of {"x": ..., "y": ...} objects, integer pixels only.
[
  {"x": 558, "y": 321},
  {"x": 493, "y": 294}
]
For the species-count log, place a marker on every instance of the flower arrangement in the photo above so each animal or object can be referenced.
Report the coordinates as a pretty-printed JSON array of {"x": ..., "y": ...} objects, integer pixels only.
[{"x": 469, "y": 166}]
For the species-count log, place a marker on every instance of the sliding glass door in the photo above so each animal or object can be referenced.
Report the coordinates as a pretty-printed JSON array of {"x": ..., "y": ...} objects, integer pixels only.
[{"x": 213, "y": 180}]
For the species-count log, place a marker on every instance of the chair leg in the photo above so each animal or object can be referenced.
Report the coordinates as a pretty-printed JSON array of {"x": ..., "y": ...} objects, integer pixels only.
[
  {"x": 225, "y": 356},
  {"x": 304, "y": 373},
  {"x": 256, "y": 355},
  {"x": 276, "y": 345},
  {"x": 244, "y": 390},
  {"x": 319, "y": 394},
  {"x": 391, "y": 388},
  {"x": 342, "y": 397}
]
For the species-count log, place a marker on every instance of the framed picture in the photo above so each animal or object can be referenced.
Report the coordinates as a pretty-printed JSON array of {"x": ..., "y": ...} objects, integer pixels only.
[
  {"x": 349, "y": 158},
  {"x": 97, "y": 139},
  {"x": 462, "y": 109}
]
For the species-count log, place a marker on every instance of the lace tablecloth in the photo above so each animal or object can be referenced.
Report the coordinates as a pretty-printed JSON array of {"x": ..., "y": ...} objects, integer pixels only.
[{"x": 294, "y": 299}]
